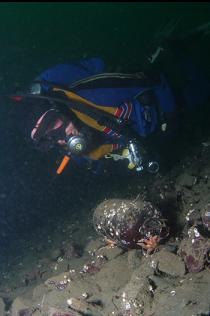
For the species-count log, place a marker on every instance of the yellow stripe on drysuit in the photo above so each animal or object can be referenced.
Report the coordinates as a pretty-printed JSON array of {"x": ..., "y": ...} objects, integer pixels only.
[
  {"x": 75, "y": 97},
  {"x": 102, "y": 150},
  {"x": 84, "y": 117}
]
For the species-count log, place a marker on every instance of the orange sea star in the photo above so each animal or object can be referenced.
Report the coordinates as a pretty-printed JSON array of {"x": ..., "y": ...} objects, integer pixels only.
[{"x": 149, "y": 244}]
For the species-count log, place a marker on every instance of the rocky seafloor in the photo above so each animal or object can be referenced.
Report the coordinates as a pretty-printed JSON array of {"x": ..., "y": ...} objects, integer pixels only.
[{"x": 79, "y": 274}]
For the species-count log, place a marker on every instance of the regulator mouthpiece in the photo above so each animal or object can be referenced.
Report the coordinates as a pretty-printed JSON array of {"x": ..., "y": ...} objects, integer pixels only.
[{"x": 76, "y": 144}]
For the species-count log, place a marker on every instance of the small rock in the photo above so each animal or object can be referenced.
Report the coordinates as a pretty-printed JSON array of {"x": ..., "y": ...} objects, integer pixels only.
[
  {"x": 206, "y": 216},
  {"x": 193, "y": 249},
  {"x": 160, "y": 282},
  {"x": 59, "y": 282},
  {"x": 170, "y": 263},
  {"x": 185, "y": 180},
  {"x": 39, "y": 291},
  {"x": 2, "y": 306},
  {"x": 55, "y": 254},
  {"x": 93, "y": 245},
  {"x": 55, "y": 312},
  {"x": 84, "y": 307},
  {"x": 110, "y": 253},
  {"x": 134, "y": 259},
  {"x": 18, "y": 306}
]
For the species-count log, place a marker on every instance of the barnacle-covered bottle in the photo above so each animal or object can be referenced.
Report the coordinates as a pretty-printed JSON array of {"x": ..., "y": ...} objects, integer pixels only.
[{"x": 125, "y": 222}]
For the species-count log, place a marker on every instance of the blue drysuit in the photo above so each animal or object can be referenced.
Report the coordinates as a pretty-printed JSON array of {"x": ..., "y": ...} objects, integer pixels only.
[
  {"x": 145, "y": 120},
  {"x": 67, "y": 74}
]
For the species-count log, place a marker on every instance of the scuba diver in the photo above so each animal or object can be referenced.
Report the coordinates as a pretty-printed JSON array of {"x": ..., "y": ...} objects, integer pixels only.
[{"x": 89, "y": 114}]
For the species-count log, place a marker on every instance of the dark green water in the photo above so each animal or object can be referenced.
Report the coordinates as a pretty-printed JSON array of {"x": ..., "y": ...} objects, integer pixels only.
[{"x": 35, "y": 36}]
